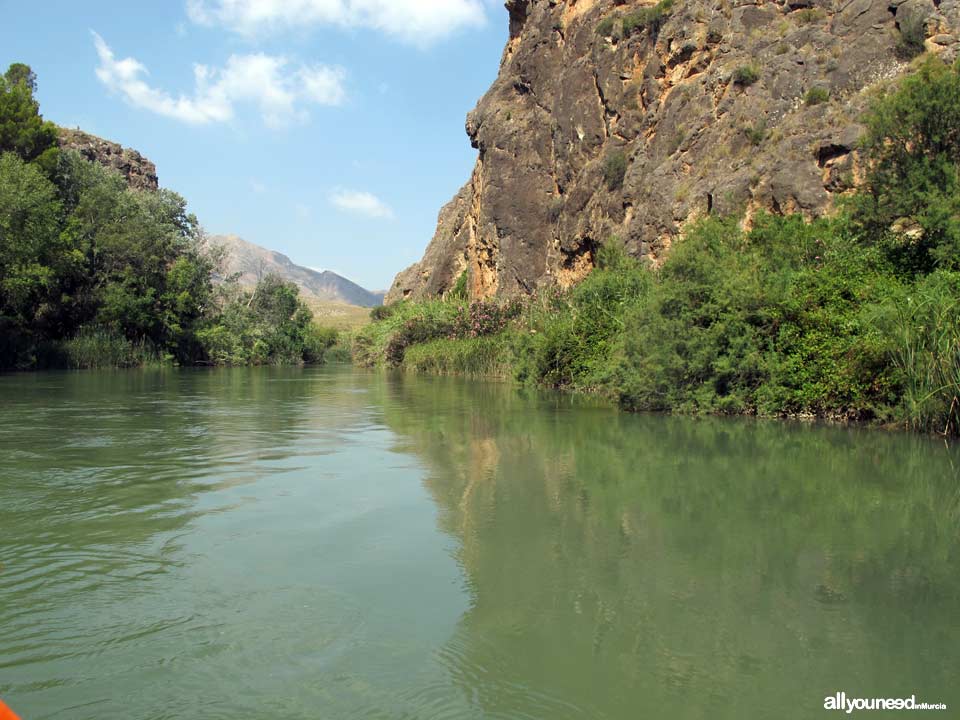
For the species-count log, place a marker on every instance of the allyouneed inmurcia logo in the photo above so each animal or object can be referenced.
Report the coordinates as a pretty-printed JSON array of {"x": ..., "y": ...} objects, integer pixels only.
[{"x": 840, "y": 701}]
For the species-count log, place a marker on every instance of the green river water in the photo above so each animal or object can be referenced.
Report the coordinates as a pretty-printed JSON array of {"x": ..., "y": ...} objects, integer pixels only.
[{"x": 329, "y": 543}]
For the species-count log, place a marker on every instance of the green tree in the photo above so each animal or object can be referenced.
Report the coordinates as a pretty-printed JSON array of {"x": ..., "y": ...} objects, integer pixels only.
[
  {"x": 20, "y": 74},
  {"x": 911, "y": 199},
  {"x": 271, "y": 324},
  {"x": 29, "y": 234},
  {"x": 22, "y": 129}
]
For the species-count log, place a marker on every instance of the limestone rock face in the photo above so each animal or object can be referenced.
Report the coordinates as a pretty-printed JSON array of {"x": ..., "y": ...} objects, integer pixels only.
[
  {"x": 141, "y": 174},
  {"x": 587, "y": 134}
]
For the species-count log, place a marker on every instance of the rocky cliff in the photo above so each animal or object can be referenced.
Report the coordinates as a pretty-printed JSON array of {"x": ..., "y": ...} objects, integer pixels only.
[
  {"x": 140, "y": 173},
  {"x": 621, "y": 118}
]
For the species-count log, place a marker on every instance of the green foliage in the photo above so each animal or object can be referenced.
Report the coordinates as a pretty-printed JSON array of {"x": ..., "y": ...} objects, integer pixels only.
[
  {"x": 756, "y": 133},
  {"x": 96, "y": 348},
  {"x": 614, "y": 169},
  {"x": 370, "y": 344},
  {"x": 910, "y": 204},
  {"x": 607, "y": 26},
  {"x": 471, "y": 357},
  {"x": 22, "y": 130},
  {"x": 746, "y": 75},
  {"x": 764, "y": 322},
  {"x": 922, "y": 326},
  {"x": 414, "y": 331},
  {"x": 29, "y": 239},
  {"x": 460, "y": 291},
  {"x": 816, "y": 96},
  {"x": 95, "y": 274},
  {"x": 650, "y": 19},
  {"x": 381, "y": 312},
  {"x": 270, "y": 325},
  {"x": 807, "y": 16},
  {"x": 792, "y": 317}
]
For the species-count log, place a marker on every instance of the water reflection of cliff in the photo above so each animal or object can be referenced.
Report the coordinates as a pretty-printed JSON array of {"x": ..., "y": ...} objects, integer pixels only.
[{"x": 622, "y": 565}]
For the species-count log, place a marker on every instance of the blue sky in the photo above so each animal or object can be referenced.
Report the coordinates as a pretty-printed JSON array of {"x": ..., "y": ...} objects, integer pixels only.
[{"x": 330, "y": 130}]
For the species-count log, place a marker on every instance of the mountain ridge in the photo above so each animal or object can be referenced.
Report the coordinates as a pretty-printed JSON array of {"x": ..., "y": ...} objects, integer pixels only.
[{"x": 250, "y": 262}]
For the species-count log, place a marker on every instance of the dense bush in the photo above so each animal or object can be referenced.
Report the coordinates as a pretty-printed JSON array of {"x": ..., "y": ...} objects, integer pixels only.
[
  {"x": 614, "y": 169},
  {"x": 607, "y": 26},
  {"x": 816, "y": 96},
  {"x": 483, "y": 317},
  {"x": 381, "y": 312},
  {"x": 650, "y": 19},
  {"x": 764, "y": 322},
  {"x": 922, "y": 323},
  {"x": 269, "y": 325},
  {"x": 746, "y": 75},
  {"x": 910, "y": 202},
  {"x": 415, "y": 331}
]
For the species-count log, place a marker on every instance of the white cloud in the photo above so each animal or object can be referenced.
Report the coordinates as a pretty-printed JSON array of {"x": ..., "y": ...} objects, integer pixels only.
[
  {"x": 419, "y": 22},
  {"x": 268, "y": 82},
  {"x": 363, "y": 203},
  {"x": 322, "y": 85}
]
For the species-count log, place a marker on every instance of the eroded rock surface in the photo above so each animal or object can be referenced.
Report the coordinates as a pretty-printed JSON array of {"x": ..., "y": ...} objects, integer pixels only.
[
  {"x": 140, "y": 173},
  {"x": 675, "y": 108}
]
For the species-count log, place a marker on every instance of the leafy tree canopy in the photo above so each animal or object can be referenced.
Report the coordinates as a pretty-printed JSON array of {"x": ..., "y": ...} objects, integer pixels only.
[
  {"x": 22, "y": 129},
  {"x": 911, "y": 199}
]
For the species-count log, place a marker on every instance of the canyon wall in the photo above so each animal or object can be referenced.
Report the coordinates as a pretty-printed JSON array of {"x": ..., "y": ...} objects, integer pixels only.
[{"x": 618, "y": 118}]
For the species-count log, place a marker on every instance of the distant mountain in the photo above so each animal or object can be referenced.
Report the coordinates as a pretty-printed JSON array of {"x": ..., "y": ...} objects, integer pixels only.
[{"x": 253, "y": 262}]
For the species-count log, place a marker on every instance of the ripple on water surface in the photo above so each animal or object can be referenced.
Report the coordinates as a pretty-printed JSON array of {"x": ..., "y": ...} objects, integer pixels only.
[{"x": 332, "y": 543}]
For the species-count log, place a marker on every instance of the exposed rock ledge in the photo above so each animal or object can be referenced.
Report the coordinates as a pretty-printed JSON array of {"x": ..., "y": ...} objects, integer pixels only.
[
  {"x": 141, "y": 174},
  {"x": 694, "y": 140}
]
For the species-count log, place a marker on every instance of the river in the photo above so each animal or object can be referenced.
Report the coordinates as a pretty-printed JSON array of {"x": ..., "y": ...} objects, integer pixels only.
[{"x": 334, "y": 543}]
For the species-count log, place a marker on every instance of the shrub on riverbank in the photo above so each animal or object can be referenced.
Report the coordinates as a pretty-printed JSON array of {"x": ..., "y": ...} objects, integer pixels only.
[
  {"x": 922, "y": 323},
  {"x": 766, "y": 322},
  {"x": 98, "y": 348},
  {"x": 269, "y": 325},
  {"x": 857, "y": 316}
]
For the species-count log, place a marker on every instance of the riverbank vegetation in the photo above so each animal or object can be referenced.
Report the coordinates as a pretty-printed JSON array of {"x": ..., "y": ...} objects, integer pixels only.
[
  {"x": 96, "y": 274},
  {"x": 853, "y": 316}
]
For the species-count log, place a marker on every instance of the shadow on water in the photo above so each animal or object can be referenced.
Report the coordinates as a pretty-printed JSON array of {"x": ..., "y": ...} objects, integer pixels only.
[{"x": 621, "y": 565}]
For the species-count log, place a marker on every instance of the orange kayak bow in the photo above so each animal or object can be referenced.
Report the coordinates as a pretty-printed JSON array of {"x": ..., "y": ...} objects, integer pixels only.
[{"x": 6, "y": 713}]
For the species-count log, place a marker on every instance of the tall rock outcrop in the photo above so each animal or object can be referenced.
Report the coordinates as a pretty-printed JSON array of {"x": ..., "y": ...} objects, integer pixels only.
[
  {"x": 141, "y": 174},
  {"x": 603, "y": 123}
]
